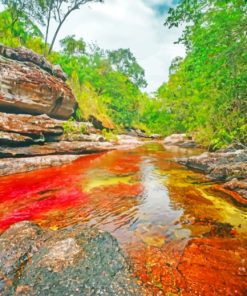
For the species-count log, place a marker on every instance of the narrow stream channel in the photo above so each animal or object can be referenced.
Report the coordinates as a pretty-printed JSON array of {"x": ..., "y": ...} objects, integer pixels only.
[{"x": 183, "y": 237}]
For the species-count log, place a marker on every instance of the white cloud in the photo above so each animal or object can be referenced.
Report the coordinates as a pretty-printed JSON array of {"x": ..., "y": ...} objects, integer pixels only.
[{"x": 130, "y": 24}]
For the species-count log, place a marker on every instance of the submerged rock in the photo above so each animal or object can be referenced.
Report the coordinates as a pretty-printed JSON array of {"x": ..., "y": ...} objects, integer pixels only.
[
  {"x": 239, "y": 186},
  {"x": 71, "y": 261},
  {"x": 28, "y": 88},
  {"x": 222, "y": 166}
]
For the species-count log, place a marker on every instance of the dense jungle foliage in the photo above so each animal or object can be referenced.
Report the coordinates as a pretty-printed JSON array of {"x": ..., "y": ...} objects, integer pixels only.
[{"x": 205, "y": 95}]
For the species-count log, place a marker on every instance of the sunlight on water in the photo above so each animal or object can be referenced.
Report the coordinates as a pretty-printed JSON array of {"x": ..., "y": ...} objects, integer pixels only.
[{"x": 153, "y": 206}]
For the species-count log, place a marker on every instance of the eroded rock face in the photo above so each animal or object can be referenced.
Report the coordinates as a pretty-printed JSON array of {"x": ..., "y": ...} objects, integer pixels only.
[
  {"x": 220, "y": 165},
  {"x": 39, "y": 128},
  {"x": 62, "y": 147},
  {"x": 13, "y": 139},
  {"x": 71, "y": 261},
  {"x": 229, "y": 166},
  {"x": 26, "y": 88},
  {"x": 23, "y": 54}
]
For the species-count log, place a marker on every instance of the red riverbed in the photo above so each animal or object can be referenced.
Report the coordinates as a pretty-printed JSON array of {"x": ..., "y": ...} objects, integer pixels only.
[{"x": 183, "y": 237}]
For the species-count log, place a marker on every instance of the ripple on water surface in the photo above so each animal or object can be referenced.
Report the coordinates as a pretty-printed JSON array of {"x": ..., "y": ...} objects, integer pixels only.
[{"x": 182, "y": 237}]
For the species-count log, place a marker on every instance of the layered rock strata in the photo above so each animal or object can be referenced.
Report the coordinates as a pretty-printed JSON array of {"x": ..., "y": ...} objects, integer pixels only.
[
  {"x": 227, "y": 166},
  {"x": 27, "y": 88}
]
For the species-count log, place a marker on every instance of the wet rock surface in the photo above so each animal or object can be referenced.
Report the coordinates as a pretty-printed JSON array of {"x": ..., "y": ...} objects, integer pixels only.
[
  {"x": 239, "y": 186},
  {"x": 10, "y": 166},
  {"x": 71, "y": 261},
  {"x": 59, "y": 148},
  {"x": 29, "y": 158},
  {"x": 228, "y": 166},
  {"x": 181, "y": 140}
]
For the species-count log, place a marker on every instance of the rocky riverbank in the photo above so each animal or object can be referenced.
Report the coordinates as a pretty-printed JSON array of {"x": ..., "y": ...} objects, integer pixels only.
[
  {"x": 71, "y": 261},
  {"x": 227, "y": 166},
  {"x": 35, "y": 104}
]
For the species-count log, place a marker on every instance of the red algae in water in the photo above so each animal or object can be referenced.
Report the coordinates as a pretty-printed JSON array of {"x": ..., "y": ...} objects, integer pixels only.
[{"x": 159, "y": 212}]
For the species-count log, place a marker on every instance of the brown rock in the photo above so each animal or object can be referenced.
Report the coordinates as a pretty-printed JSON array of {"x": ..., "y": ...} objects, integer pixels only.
[
  {"x": 62, "y": 147},
  {"x": 41, "y": 126},
  {"x": 181, "y": 140},
  {"x": 223, "y": 165},
  {"x": 239, "y": 186},
  {"x": 72, "y": 261},
  {"x": 23, "y": 54},
  {"x": 10, "y": 166},
  {"x": 219, "y": 165},
  {"x": 13, "y": 139},
  {"x": 25, "y": 88}
]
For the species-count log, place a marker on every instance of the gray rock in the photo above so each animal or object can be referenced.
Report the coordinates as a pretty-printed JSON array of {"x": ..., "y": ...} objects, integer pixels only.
[{"x": 71, "y": 261}]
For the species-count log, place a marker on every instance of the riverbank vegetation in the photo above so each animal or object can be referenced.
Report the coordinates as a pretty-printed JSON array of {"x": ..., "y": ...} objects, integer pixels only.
[{"x": 206, "y": 91}]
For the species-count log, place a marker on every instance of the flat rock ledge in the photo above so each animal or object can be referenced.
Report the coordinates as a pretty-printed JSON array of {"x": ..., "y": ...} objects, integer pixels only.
[
  {"x": 10, "y": 166},
  {"x": 14, "y": 160},
  {"x": 227, "y": 166},
  {"x": 70, "y": 261}
]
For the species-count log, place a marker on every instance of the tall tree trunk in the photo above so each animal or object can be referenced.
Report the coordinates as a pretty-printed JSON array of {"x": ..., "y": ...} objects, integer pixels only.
[
  {"x": 48, "y": 27},
  {"x": 58, "y": 29},
  {"x": 55, "y": 37}
]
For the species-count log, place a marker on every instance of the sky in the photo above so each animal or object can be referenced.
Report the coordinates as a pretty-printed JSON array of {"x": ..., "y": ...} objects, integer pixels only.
[{"x": 134, "y": 24}]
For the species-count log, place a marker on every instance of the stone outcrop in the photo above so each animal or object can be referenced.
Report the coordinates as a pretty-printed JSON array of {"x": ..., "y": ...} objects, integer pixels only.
[
  {"x": 181, "y": 140},
  {"x": 13, "y": 139},
  {"x": 35, "y": 103},
  {"x": 37, "y": 128},
  {"x": 71, "y": 261},
  {"x": 23, "y": 54},
  {"x": 10, "y": 166},
  {"x": 57, "y": 148},
  {"x": 28, "y": 88},
  {"x": 240, "y": 186},
  {"x": 220, "y": 165},
  {"x": 228, "y": 166}
]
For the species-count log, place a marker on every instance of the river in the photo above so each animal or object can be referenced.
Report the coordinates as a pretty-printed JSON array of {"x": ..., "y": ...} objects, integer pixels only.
[{"x": 182, "y": 235}]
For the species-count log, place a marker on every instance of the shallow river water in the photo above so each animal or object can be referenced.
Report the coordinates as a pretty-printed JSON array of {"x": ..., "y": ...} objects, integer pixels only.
[{"x": 183, "y": 236}]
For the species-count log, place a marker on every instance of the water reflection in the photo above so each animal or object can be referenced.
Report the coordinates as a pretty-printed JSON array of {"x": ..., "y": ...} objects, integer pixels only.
[{"x": 152, "y": 205}]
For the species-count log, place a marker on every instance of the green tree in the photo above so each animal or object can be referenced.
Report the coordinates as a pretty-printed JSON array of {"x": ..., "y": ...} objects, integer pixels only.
[
  {"x": 209, "y": 86},
  {"x": 60, "y": 10},
  {"x": 71, "y": 46},
  {"x": 124, "y": 61}
]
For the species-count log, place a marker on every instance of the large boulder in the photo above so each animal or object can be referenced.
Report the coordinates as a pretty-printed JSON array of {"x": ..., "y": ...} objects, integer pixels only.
[
  {"x": 71, "y": 261},
  {"x": 28, "y": 88}
]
